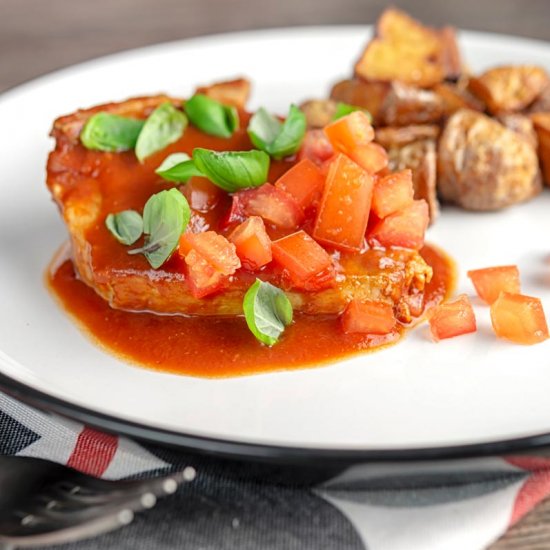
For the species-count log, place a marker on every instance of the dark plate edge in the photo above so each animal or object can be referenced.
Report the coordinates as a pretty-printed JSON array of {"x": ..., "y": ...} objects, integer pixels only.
[{"x": 274, "y": 454}]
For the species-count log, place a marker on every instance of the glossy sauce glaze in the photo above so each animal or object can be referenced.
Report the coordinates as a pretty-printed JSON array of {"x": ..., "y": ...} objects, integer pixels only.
[{"x": 222, "y": 347}]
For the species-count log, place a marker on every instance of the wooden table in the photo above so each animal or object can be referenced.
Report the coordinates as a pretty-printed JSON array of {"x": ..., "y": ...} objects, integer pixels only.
[{"x": 38, "y": 36}]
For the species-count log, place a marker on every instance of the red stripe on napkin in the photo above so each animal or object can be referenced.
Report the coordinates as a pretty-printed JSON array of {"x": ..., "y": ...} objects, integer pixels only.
[{"x": 93, "y": 452}]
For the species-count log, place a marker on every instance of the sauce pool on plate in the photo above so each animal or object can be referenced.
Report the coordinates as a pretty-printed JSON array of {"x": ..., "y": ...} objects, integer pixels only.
[{"x": 222, "y": 347}]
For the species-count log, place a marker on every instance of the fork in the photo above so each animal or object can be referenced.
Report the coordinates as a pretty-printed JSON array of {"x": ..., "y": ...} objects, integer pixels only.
[{"x": 43, "y": 503}]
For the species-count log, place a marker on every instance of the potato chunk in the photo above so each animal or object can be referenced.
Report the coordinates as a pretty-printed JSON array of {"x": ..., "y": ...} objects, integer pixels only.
[
  {"x": 406, "y": 105},
  {"x": 509, "y": 88},
  {"x": 541, "y": 122},
  {"x": 368, "y": 95},
  {"x": 484, "y": 166},
  {"x": 409, "y": 52},
  {"x": 231, "y": 92},
  {"x": 420, "y": 157}
]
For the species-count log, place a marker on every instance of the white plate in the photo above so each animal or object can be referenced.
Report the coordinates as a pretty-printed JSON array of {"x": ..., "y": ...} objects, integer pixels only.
[{"x": 473, "y": 389}]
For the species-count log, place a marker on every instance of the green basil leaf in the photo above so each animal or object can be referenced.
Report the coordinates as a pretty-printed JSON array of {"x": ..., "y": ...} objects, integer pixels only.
[
  {"x": 211, "y": 116},
  {"x": 165, "y": 217},
  {"x": 126, "y": 226},
  {"x": 165, "y": 125},
  {"x": 178, "y": 167},
  {"x": 267, "y": 311},
  {"x": 107, "y": 132},
  {"x": 232, "y": 170},
  {"x": 344, "y": 109},
  {"x": 275, "y": 138}
]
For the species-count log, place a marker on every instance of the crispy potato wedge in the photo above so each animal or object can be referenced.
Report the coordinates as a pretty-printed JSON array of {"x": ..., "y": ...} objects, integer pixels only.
[
  {"x": 232, "y": 92},
  {"x": 541, "y": 122},
  {"x": 509, "y": 88},
  {"x": 409, "y": 52},
  {"x": 484, "y": 166},
  {"x": 319, "y": 112},
  {"x": 368, "y": 95},
  {"x": 420, "y": 157},
  {"x": 397, "y": 136},
  {"x": 405, "y": 105}
]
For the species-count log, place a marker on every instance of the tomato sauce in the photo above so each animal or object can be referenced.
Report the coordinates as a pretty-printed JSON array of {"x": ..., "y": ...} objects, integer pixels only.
[{"x": 222, "y": 347}]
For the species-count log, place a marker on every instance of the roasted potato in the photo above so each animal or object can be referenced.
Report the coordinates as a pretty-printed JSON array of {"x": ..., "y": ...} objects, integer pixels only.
[
  {"x": 406, "y": 51},
  {"x": 393, "y": 136},
  {"x": 484, "y": 166},
  {"x": 405, "y": 105},
  {"x": 510, "y": 88},
  {"x": 420, "y": 157},
  {"x": 455, "y": 97},
  {"x": 368, "y": 95},
  {"x": 541, "y": 122},
  {"x": 232, "y": 92},
  {"x": 521, "y": 125},
  {"x": 319, "y": 112}
]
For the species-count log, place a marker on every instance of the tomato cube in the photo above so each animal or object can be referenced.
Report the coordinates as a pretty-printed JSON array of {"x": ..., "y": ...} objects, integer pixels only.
[
  {"x": 368, "y": 317},
  {"x": 203, "y": 279},
  {"x": 214, "y": 248},
  {"x": 392, "y": 193},
  {"x": 491, "y": 281},
  {"x": 304, "y": 182},
  {"x": 252, "y": 243},
  {"x": 404, "y": 228},
  {"x": 519, "y": 318},
  {"x": 306, "y": 263},
  {"x": 350, "y": 131},
  {"x": 372, "y": 157},
  {"x": 316, "y": 147},
  {"x": 201, "y": 194},
  {"x": 453, "y": 319},
  {"x": 210, "y": 259},
  {"x": 270, "y": 203},
  {"x": 345, "y": 205}
]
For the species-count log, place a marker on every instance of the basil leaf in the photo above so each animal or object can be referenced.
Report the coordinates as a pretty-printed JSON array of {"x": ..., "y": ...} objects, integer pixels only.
[
  {"x": 165, "y": 217},
  {"x": 275, "y": 138},
  {"x": 267, "y": 311},
  {"x": 232, "y": 170},
  {"x": 165, "y": 125},
  {"x": 178, "y": 168},
  {"x": 211, "y": 116},
  {"x": 126, "y": 226},
  {"x": 107, "y": 132},
  {"x": 344, "y": 109}
]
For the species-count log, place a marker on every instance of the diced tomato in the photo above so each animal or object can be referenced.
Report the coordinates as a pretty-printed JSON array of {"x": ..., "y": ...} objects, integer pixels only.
[
  {"x": 453, "y": 319},
  {"x": 303, "y": 182},
  {"x": 350, "y": 132},
  {"x": 306, "y": 263},
  {"x": 491, "y": 281},
  {"x": 392, "y": 193},
  {"x": 201, "y": 194},
  {"x": 344, "y": 210},
  {"x": 214, "y": 248},
  {"x": 519, "y": 318},
  {"x": 270, "y": 203},
  {"x": 368, "y": 317},
  {"x": 404, "y": 228},
  {"x": 210, "y": 259},
  {"x": 252, "y": 243},
  {"x": 316, "y": 147},
  {"x": 372, "y": 157},
  {"x": 203, "y": 279}
]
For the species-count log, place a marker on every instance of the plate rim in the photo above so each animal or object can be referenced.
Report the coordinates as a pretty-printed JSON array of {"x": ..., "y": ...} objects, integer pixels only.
[
  {"x": 235, "y": 449},
  {"x": 260, "y": 452}
]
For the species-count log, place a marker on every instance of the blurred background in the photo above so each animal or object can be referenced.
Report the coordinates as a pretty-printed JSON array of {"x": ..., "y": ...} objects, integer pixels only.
[{"x": 37, "y": 36}]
